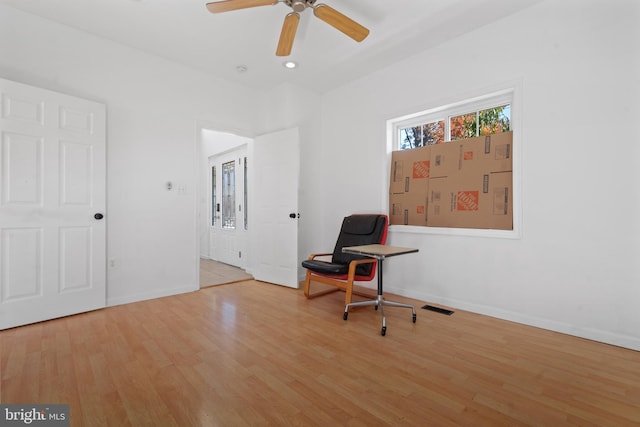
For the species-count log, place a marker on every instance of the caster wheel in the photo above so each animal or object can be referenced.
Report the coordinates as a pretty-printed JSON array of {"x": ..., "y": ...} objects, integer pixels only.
[
  {"x": 414, "y": 318},
  {"x": 383, "y": 332},
  {"x": 376, "y": 307},
  {"x": 345, "y": 315}
]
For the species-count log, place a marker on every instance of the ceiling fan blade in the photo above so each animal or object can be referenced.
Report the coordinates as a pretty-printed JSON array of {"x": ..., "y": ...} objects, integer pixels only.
[
  {"x": 228, "y": 5},
  {"x": 288, "y": 34},
  {"x": 341, "y": 22}
]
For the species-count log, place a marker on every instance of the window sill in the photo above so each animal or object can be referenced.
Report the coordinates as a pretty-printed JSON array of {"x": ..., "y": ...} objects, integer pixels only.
[{"x": 466, "y": 232}]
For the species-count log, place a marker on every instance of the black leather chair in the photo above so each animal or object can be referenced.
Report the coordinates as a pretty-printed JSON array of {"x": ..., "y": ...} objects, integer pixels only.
[{"x": 344, "y": 269}]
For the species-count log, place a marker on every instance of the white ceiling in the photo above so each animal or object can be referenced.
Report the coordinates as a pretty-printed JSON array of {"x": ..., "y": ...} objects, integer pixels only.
[{"x": 184, "y": 31}]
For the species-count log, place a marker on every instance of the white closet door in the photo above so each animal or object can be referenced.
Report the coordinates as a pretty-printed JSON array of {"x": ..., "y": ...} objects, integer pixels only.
[{"x": 52, "y": 205}]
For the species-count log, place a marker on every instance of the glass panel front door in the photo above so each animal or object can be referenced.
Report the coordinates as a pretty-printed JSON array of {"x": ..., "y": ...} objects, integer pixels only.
[{"x": 229, "y": 195}]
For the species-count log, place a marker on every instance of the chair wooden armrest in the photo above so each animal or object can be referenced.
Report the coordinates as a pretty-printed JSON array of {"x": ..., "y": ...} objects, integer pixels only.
[
  {"x": 313, "y": 256},
  {"x": 354, "y": 264}
]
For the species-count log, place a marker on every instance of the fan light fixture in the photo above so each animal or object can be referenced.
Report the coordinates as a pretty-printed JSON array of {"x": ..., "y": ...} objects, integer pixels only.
[{"x": 326, "y": 13}]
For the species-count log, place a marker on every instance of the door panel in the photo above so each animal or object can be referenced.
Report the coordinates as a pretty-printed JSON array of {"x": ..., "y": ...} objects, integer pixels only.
[
  {"x": 21, "y": 169},
  {"x": 76, "y": 167},
  {"x": 21, "y": 262},
  {"x": 75, "y": 258},
  {"x": 52, "y": 249}
]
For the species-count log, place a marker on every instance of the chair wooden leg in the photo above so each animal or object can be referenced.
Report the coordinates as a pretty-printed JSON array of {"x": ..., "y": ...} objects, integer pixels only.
[
  {"x": 307, "y": 284},
  {"x": 307, "y": 288}
]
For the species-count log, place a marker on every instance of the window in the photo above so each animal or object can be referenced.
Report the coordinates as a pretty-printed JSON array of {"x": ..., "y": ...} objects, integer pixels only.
[
  {"x": 414, "y": 212},
  {"x": 213, "y": 196},
  {"x": 484, "y": 116},
  {"x": 421, "y": 135},
  {"x": 246, "y": 195},
  {"x": 229, "y": 194}
]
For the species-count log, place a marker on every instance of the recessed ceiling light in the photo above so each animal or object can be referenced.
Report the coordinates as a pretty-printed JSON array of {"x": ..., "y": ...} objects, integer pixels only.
[{"x": 289, "y": 64}]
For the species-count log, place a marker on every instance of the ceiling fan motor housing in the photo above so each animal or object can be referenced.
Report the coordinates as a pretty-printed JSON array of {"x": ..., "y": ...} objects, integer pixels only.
[{"x": 299, "y": 5}]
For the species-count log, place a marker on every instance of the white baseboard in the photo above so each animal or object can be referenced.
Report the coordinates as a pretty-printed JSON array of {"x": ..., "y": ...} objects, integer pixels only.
[
  {"x": 626, "y": 341},
  {"x": 143, "y": 296}
]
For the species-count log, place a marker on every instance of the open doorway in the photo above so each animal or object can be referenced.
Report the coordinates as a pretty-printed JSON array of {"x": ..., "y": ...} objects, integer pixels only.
[
  {"x": 222, "y": 225},
  {"x": 269, "y": 213}
]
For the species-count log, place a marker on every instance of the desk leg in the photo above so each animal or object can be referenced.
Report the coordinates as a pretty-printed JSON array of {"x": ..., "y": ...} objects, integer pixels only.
[
  {"x": 380, "y": 277},
  {"x": 379, "y": 302}
]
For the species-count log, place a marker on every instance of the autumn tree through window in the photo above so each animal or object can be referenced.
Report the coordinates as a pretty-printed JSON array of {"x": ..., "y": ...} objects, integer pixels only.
[
  {"x": 464, "y": 120},
  {"x": 479, "y": 123}
]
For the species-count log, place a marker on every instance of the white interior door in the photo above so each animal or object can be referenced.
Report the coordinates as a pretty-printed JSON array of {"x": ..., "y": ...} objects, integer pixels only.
[
  {"x": 274, "y": 207},
  {"x": 227, "y": 226},
  {"x": 52, "y": 196}
]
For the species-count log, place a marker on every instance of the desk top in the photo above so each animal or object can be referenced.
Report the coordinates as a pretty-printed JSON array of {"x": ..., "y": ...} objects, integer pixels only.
[{"x": 378, "y": 251}]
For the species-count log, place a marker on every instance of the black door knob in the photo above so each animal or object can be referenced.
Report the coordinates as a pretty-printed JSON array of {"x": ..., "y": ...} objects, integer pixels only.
[
  {"x": 293, "y": 215},
  {"x": 98, "y": 216}
]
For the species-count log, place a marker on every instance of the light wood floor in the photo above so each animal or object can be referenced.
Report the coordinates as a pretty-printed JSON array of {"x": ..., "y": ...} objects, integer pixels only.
[
  {"x": 252, "y": 354},
  {"x": 216, "y": 273}
]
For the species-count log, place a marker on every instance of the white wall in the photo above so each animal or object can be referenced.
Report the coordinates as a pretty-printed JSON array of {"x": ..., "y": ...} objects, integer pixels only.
[
  {"x": 575, "y": 267},
  {"x": 153, "y": 107}
]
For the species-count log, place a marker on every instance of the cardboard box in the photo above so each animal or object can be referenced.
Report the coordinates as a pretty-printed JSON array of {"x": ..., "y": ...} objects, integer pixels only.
[
  {"x": 471, "y": 200},
  {"x": 492, "y": 153},
  {"x": 409, "y": 170},
  {"x": 408, "y": 186},
  {"x": 408, "y": 209},
  {"x": 458, "y": 184}
]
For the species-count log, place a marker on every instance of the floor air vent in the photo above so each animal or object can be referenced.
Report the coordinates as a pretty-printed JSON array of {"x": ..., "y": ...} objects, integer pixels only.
[{"x": 438, "y": 309}]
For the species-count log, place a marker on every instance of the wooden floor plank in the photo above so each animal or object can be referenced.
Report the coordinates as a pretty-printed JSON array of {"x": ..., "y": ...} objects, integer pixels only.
[{"x": 252, "y": 353}]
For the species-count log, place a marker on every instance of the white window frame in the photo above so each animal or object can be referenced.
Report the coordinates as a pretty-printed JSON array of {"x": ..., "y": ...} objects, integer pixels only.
[{"x": 443, "y": 112}]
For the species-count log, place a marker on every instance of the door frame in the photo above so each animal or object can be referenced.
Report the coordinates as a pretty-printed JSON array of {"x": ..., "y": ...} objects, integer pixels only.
[{"x": 202, "y": 153}]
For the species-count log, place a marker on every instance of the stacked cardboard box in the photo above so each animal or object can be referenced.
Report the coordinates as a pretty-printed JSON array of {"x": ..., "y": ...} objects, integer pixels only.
[
  {"x": 408, "y": 189},
  {"x": 469, "y": 185}
]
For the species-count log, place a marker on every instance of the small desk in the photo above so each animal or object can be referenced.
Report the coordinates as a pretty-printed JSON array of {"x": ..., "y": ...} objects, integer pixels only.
[{"x": 379, "y": 252}]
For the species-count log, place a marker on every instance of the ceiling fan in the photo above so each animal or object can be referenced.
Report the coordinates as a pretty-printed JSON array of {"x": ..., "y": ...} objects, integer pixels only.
[{"x": 290, "y": 25}]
